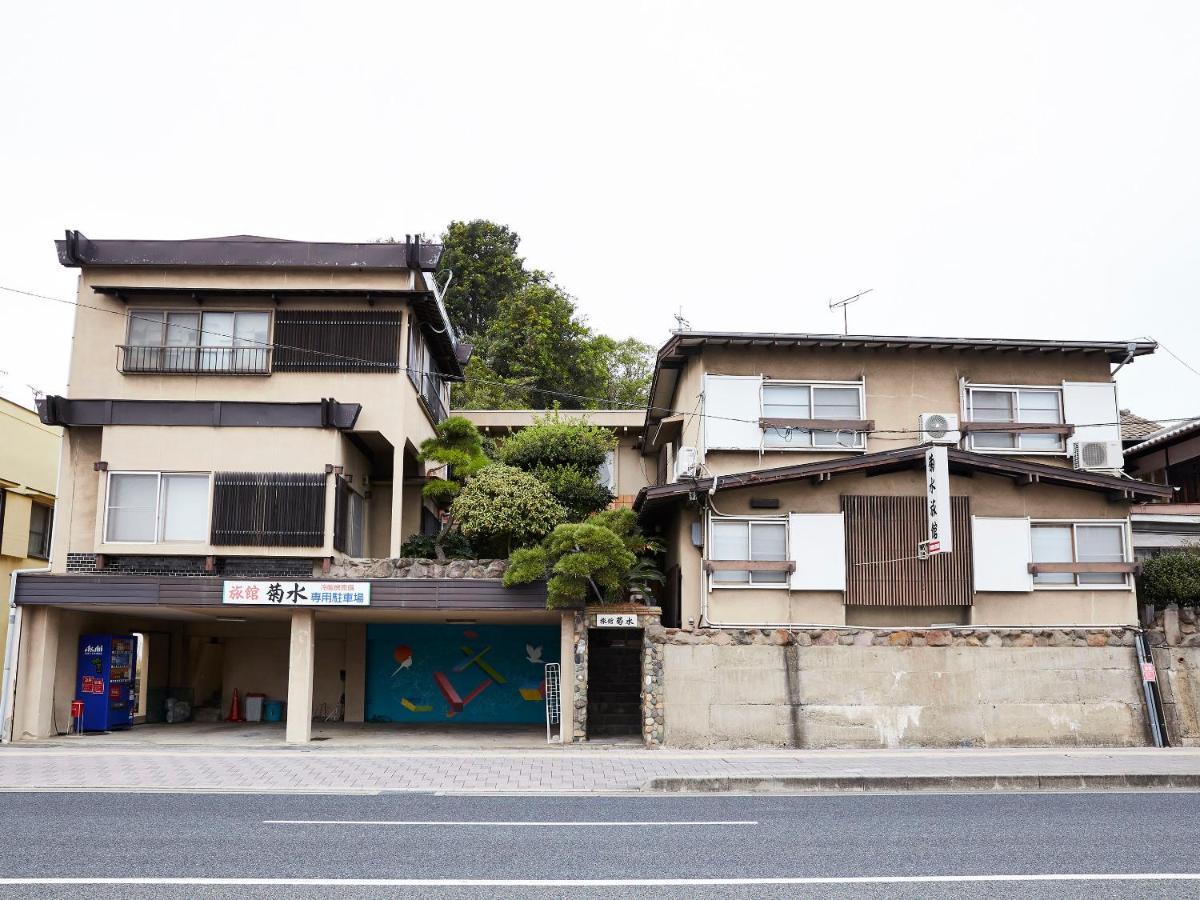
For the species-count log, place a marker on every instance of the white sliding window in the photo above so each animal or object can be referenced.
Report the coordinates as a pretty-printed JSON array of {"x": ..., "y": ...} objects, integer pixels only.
[
  {"x": 746, "y": 540},
  {"x": 1067, "y": 542},
  {"x": 151, "y": 507},
  {"x": 795, "y": 400},
  {"x": 1016, "y": 405}
]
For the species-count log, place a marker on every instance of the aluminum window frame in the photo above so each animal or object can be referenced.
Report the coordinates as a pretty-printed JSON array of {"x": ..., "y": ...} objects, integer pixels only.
[
  {"x": 969, "y": 408},
  {"x": 1126, "y": 583},
  {"x": 158, "y": 516},
  {"x": 43, "y": 552},
  {"x": 860, "y": 437},
  {"x": 750, "y": 584},
  {"x": 198, "y": 346}
]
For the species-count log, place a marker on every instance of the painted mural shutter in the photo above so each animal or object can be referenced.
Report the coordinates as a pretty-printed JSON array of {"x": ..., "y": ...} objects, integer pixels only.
[
  {"x": 882, "y": 534},
  {"x": 818, "y": 547},
  {"x": 1091, "y": 406},
  {"x": 1002, "y": 553},
  {"x": 268, "y": 509},
  {"x": 732, "y": 408}
]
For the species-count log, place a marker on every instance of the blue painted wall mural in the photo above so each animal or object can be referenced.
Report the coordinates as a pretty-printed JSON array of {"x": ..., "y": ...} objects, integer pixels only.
[{"x": 458, "y": 673}]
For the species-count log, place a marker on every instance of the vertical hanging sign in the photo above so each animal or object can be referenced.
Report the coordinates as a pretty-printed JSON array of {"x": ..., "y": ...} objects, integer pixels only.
[{"x": 937, "y": 501}]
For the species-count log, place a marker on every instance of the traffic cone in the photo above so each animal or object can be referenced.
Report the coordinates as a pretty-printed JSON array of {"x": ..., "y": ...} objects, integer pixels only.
[{"x": 235, "y": 708}]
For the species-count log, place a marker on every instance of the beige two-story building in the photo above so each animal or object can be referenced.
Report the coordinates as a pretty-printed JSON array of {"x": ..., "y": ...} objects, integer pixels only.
[
  {"x": 239, "y": 472},
  {"x": 791, "y": 472}
]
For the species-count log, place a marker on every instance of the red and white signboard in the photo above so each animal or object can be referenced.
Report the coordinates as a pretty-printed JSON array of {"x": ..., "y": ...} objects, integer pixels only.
[
  {"x": 296, "y": 593},
  {"x": 937, "y": 501}
]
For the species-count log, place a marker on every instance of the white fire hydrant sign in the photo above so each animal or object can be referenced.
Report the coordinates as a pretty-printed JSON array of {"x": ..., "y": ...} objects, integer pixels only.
[
  {"x": 296, "y": 593},
  {"x": 937, "y": 500}
]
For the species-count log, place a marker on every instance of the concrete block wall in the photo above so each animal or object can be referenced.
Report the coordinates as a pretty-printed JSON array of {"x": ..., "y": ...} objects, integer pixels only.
[{"x": 863, "y": 696}]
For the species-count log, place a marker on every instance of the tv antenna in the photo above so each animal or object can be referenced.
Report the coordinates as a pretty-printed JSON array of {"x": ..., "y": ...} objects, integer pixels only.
[
  {"x": 681, "y": 324},
  {"x": 834, "y": 304}
]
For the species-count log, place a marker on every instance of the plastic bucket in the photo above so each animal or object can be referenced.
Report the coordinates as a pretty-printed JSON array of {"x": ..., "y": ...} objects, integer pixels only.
[
  {"x": 273, "y": 711},
  {"x": 254, "y": 707}
]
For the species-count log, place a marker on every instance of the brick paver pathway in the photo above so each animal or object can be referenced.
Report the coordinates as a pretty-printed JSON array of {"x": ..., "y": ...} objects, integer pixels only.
[{"x": 33, "y": 767}]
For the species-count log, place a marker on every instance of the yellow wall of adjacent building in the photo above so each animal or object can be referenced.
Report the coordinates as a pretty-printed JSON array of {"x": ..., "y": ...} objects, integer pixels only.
[{"x": 29, "y": 454}]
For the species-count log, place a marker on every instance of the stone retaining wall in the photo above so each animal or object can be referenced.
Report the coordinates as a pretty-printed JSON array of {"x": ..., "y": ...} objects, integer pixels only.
[
  {"x": 408, "y": 567},
  {"x": 1175, "y": 638},
  {"x": 863, "y": 688}
]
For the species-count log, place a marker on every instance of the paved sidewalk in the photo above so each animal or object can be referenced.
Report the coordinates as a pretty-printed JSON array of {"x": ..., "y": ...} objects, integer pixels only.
[{"x": 36, "y": 767}]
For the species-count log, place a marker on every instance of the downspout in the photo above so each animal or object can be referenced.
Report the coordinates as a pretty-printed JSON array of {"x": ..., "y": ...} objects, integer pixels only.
[{"x": 8, "y": 684}]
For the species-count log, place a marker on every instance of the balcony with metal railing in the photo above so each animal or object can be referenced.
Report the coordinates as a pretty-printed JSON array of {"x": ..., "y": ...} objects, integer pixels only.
[
  {"x": 163, "y": 360},
  {"x": 429, "y": 386}
]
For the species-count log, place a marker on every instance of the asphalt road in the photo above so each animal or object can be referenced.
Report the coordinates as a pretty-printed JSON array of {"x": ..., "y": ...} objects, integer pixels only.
[{"x": 714, "y": 845}]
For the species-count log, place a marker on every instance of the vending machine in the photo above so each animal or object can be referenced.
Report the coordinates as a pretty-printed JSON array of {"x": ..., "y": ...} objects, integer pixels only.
[{"x": 107, "y": 667}]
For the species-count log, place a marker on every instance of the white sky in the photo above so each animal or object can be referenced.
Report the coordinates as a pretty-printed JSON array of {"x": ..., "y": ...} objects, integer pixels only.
[{"x": 989, "y": 169}]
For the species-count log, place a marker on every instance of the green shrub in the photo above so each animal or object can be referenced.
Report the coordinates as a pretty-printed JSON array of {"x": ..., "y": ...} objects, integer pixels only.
[
  {"x": 503, "y": 508},
  {"x": 596, "y": 561},
  {"x": 565, "y": 454},
  {"x": 424, "y": 546},
  {"x": 1173, "y": 578},
  {"x": 584, "y": 562}
]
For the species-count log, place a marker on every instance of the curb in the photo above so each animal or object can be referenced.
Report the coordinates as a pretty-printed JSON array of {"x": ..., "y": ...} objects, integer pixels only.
[{"x": 886, "y": 783}]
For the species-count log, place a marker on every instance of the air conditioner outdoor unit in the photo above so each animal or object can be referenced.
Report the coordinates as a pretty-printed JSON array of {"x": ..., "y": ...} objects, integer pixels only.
[
  {"x": 939, "y": 428},
  {"x": 1097, "y": 455},
  {"x": 686, "y": 465}
]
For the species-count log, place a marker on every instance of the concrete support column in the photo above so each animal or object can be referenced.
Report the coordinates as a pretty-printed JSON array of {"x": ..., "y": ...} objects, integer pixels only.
[
  {"x": 356, "y": 672},
  {"x": 300, "y": 676},
  {"x": 397, "y": 535},
  {"x": 37, "y": 662},
  {"x": 566, "y": 684}
]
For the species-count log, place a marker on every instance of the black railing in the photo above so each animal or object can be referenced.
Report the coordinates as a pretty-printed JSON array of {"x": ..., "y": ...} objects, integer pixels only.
[
  {"x": 195, "y": 360},
  {"x": 429, "y": 386}
]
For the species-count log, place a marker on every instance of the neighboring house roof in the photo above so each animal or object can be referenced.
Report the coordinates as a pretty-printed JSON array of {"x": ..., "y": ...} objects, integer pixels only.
[
  {"x": 247, "y": 250},
  {"x": 961, "y": 461},
  {"x": 1166, "y": 435},
  {"x": 1135, "y": 428},
  {"x": 682, "y": 344}
]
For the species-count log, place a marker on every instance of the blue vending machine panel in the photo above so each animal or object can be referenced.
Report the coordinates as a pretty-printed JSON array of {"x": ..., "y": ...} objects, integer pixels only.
[{"x": 107, "y": 667}]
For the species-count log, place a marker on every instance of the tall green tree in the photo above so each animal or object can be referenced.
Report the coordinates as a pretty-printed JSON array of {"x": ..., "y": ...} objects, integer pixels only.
[
  {"x": 459, "y": 447},
  {"x": 483, "y": 257},
  {"x": 537, "y": 339},
  {"x": 532, "y": 345},
  {"x": 629, "y": 368}
]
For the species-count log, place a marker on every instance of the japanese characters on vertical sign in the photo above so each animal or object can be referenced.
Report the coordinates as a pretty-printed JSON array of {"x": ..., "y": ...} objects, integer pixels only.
[
  {"x": 296, "y": 593},
  {"x": 937, "y": 500}
]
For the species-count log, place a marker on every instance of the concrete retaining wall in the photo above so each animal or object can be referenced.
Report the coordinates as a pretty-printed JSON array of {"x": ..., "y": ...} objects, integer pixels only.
[{"x": 728, "y": 695}]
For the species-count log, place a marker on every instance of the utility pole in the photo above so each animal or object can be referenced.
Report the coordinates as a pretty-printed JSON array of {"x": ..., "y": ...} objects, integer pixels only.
[{"x": 834, "y": 304}]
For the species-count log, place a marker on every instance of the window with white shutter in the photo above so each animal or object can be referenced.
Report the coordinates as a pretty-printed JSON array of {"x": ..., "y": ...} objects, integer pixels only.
[{"x": 1001, "y": 553}]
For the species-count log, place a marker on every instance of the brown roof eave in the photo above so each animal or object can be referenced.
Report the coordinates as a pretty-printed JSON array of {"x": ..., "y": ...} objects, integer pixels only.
[{"x": 904, "y": 458}]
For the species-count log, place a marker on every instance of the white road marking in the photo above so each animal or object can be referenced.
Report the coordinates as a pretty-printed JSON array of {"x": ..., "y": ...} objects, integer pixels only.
[
  {"x": 432, "y": 822},
  {"x": 594, "y": 882}
]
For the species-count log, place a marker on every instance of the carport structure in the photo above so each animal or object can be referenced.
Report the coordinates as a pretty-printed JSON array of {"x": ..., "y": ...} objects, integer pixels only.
[{"x": 426, "y": 652}]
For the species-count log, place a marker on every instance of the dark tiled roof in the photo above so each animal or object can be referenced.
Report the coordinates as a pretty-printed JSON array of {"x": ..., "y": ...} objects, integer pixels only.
[
  {"x": 248, "y": 251},
  {"x": 1135, "y": 428},
  {"x": 961, "y": 461}
]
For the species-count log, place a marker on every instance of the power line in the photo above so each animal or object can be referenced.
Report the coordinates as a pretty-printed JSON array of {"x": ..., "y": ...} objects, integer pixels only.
[{"x": 666, "y": 411}]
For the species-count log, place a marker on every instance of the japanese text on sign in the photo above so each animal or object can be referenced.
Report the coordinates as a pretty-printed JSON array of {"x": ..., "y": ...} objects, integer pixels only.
[
  {"x": 937, "y": 500},
  {"x": 296, "y": 593},
  {"x": 616, "y": 620}
]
